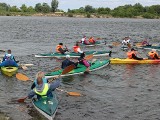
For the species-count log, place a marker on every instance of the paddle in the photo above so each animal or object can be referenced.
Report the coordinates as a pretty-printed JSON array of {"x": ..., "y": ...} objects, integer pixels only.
[
  {"x": 22, "y": 77},
  {"x": 88, "y": 57},
  {"x": 24, "y": 66}
]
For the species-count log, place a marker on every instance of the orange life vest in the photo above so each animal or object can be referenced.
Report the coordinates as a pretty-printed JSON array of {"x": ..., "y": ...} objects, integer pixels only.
[
  {"x": 57, "y": 48},
  {"x": 75, "y": 48},
  {"x": 152, "y": 54},
  {"x": 91, "y": 40},
  {"x": 129, "y": 54}
]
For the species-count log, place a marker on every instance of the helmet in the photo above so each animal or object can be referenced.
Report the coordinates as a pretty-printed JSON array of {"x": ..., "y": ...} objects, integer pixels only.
[{"x": 67, "y": 56}]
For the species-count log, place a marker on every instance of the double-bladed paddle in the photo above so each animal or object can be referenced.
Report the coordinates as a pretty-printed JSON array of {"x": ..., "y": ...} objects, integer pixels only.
[{"x": 23, "y": 77}]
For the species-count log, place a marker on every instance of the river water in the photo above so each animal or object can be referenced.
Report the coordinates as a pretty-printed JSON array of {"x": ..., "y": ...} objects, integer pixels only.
[{"x": 116, "y": 92}]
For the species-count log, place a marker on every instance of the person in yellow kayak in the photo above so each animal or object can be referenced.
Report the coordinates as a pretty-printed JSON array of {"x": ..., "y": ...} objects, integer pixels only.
[
  {"x": 153, "y": 55},
  {"x": 60, "y": 49},
  {"x": 76, "y": 48},
  {"x": 9, "y": 60},
  {"x": 133, "y": 55},
  {"x": 42, "y": 88}
]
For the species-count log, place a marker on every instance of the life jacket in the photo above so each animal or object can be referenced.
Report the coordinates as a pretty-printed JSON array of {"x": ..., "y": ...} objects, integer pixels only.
[
  {"x": 152, "y": 54},
  {"x": 86, "y": 63},
  {"x": 43, "y": 79},
  {"x": 129, "y": 54},
  {"x": 75, "y": 48},
  {"x": 57, "y": 48},
  {"x": 8, "y": 57},
  {"x": 91, "y": 40},
  {"x": 42, "y": 93}
]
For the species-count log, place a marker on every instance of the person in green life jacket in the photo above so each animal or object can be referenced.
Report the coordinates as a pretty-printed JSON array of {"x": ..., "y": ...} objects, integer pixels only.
[
  {"x": 9, "y": 60},
  {"x": 42, "y": 87}
]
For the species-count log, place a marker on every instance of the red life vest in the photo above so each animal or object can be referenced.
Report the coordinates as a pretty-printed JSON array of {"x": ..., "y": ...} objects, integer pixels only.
[
  {"x": 129, "y": 54},
  {"x": 75, "y": 48},
  {"x": 57, "y": 48}
]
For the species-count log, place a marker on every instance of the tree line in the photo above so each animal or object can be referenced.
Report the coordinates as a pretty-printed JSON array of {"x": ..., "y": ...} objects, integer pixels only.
[{"x": 128, "y": 11}]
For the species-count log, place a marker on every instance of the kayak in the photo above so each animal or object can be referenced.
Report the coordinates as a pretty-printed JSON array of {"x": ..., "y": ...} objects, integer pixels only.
[
  {"x": 98, "y": 64},
  {"x": 47, "y": 106},
  {"x": 150, "y": 47},
  {"x": 132, "y": 61},
  {"x": 73, "y": 54},
  {"x": 9, "y": 71}
]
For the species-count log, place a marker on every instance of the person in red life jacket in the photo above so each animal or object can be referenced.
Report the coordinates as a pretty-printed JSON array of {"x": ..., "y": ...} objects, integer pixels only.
[
  {"x": 91, "y": 40},
  {"x": 76, "y": 48},
  {"x": 44, "y": 89},
  {"x": 68, "y": 62},
  {"x": 60, "y": 49},
  {"x": 84, "y": 62},
  {"x": 133, "y": 55},
  {"x": 153, "y": 54},
  {"x": 9, "y": 60}
]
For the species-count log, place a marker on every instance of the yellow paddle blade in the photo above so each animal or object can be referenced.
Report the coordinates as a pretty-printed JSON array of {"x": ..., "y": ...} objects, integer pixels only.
[
  {"x": 22, "y": 77},
  {"x": 74, "y": 94},
  {"x": 88, "y": 57},
  {"x": 68, "y": 69}
]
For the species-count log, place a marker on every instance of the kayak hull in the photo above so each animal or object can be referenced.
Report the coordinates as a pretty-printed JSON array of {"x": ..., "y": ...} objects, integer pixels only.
[
  {"x": 80, "y": 69},
  {"x": 133, "y": 61},
  {"x": 74, "y": 55},
  {"x": 9, "y": 71},
  {"x": 47, "y": 106}
]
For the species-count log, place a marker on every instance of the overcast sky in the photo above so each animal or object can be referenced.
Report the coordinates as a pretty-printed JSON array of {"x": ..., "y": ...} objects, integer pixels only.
[{"x": 76, "y": 4}]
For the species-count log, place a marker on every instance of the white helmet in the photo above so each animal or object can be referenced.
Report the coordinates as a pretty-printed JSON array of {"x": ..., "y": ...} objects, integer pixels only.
[{"x": 67, "y": 56}]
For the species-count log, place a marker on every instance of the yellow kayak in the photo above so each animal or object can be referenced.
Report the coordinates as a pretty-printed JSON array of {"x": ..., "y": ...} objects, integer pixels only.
[
  {"x": 133, "y": 61},
  {"x": 9, "y": 71}
]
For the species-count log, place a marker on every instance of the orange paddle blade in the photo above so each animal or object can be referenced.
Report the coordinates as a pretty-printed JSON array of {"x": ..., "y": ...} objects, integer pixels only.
[
  {"x": 68, "y": 69},
  {"x": 22, "y": 99},
  {"x": 22, "y": 77},
  {"x": 88, "y": 57},
  {"x": 74, "y": 94}
]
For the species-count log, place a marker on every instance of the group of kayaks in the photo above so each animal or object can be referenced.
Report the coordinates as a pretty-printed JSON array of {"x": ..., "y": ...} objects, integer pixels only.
[{"x": 46, "y": 109}]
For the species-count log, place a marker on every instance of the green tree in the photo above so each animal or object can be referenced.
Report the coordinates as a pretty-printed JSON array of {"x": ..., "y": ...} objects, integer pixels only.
[
  {"x": 4, "y": 7},
  {"x": 89, "y": 9},
  {"x": 45, "y": 8},
  {"x": 14, "y": 9},
  {"x": 23, "y": 8},
  {"x": 54, "y": 5},
  {"x": 31, "y": 9},
  {"x": 38, "y": 7}
]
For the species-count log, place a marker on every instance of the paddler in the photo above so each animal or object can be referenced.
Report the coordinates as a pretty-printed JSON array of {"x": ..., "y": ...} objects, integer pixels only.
[
  {"x": 42, "y": 88},
  {"x": 133, "y": 55},
  {"x": 84, "y": 62},
  {"x": 76, "y": 48},
  {"x": 68, "y": 62},
  {"x": 9, "y": 60},
  {"x": 126, "y": 41},
  {"x": 153, "y": 54},
  {"x": 60, "y": 49},
  {"x": 84, "y": 40},
  {"x": 91, "y": 40}
]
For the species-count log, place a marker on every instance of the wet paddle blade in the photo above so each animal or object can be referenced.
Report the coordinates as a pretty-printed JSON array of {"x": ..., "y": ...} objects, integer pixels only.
[
  {"x": 21, "y": 100},
  {"x": 88, "y": 57},
  {"x": 74, "y": 94},
  {"x": 55, "y": 69},
  {"x": 68, "y": 69},
  {"x": 22, "y": 77}
]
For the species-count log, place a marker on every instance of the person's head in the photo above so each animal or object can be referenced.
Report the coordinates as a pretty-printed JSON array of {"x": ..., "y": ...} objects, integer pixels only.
[
  {"x": 154, "y": 50},
  {"x": 61, "y": 44},
  {"x": 84, "y": 36},
  {"x": 39, "y": 77},
  {"x": 9, "y": 51},
  {"x": 67, "y": 56},
  {"x": 82, "y": 55},
  {"x": 133, "y": 49}
]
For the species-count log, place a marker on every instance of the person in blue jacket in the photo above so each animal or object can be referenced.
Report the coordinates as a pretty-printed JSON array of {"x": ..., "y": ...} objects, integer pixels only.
[
  {"x": 42, "y": 88},
  {"x": 9, "y": 60}
]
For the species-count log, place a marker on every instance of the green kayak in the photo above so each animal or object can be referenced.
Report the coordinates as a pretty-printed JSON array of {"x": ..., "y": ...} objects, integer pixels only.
[
  {"x": 80, "y": 69},
  {"x": 73, "y": 54},
  {"x": 47, "y": 106}
]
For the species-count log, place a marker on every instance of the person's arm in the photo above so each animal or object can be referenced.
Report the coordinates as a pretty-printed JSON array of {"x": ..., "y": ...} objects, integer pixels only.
[
  {"x": 33, "y": 86},
  {"x": 31, "y": 94},
  {"x": 79, "y": 50},
  {"x": 55, "y": 84}
]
